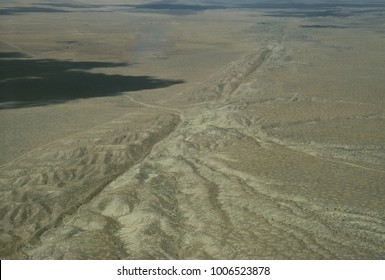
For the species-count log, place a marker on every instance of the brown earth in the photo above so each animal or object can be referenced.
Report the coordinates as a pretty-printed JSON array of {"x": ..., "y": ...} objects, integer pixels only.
[{"x": 255, "y": 137}]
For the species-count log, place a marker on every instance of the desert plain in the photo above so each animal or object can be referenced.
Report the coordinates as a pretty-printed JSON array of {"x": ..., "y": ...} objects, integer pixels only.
[{"x": 192, "y": 129}]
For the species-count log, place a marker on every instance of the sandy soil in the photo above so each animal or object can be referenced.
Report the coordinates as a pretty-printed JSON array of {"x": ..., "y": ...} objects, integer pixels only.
[{"x": 259, "y": 136}]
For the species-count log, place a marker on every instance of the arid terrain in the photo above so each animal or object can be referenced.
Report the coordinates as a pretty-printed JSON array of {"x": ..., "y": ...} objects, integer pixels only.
[{"x": 192, "y": 130}]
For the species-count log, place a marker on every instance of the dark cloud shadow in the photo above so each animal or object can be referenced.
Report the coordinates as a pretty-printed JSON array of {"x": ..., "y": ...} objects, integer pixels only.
[
  {"x": 37, "y": 82},
  {"x": 170, "y": 8},
  {"x": 72, "y": 5},
  {"x": 306, "y": 5},
  {"x": 309, "y": 13},
  {"x": 29, "y": 9},
  {"x": 275, "y": 8},
  {"x": 12, "y": 55},
  {"x": 50, "y": 8},
  {"x": 323, "y": 26},
  {"x": 308, "y": 10}
]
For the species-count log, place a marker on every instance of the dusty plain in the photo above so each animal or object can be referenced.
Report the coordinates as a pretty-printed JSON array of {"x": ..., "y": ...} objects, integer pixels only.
[{"x": 172, "y": 130}]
